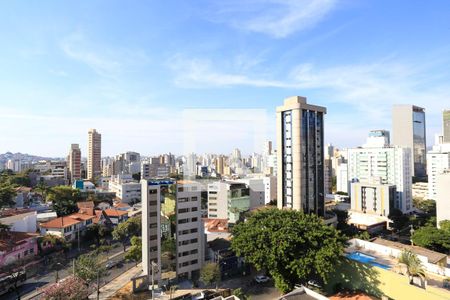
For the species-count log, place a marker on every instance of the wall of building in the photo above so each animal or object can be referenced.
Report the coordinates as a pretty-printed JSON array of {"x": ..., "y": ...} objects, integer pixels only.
[
  {"x": 190, "y": 248},
  {"x": 443, "y": 198}
]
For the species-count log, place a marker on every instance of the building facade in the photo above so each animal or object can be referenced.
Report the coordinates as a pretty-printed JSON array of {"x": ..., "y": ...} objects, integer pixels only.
[
  {"x": 126, "y": 189},
  {"x": 446, "y": 126},
  {"x": 443, "y": 197},
  {"x": 373, "y": 198},
  {"x": 409, "y": 130},
  {"x": 391, "y": 165},
  {"x": 94, "y": 159},
  {"x": 438, "y": 162},
  {"x": 74, "y": 162},
  {"x": 300, "y": 142},
  {"x": 228, "y": 200},
  {"x": 190, "y": 237},
  {"x": 151, "y": 229}
]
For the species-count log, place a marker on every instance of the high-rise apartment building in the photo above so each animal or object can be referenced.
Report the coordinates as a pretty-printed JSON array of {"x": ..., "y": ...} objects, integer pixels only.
[
  {"x": 438, "y": 161},
  {"x": 446, "y": 126},
  {"x": 151, "y": 229},
  {"x": 300, "y": 143},
  {"x": 190, "y": 236},
  {"x": 408, "y": 130},
  {"x": 75, "y": 162},
  {"x": 389, "y": 165},
  {"x": 219, "y": 164},
  {"x": 94, "y": 159},
  {"x": 443, "y": 197}
]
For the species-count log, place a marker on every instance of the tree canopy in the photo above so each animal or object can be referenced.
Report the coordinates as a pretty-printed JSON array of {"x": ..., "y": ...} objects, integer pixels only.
[
  {"x": 64, "y": 199},
  {"x": 291, "y": 246},
  {"x": 126, "y": 230},
  {"x": 89, "y": 266},
  {"x": 135, "y": 251},
  {"x": 210, "y": 273},
  {"x": 7, "y": 194},
  {"x": 432, "y": 238}
]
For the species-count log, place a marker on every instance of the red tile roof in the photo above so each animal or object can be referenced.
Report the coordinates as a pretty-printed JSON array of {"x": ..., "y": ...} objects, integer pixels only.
[
  {"x": 63, "y": 222},
  {"x": 115, "y": 212},
  {"x": 13, "y": 239}
]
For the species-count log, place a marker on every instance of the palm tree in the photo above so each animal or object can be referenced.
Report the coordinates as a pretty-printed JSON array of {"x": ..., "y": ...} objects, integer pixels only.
[
  {"x": 42, "y": 189},
  {"x": 414, "y": 267}
]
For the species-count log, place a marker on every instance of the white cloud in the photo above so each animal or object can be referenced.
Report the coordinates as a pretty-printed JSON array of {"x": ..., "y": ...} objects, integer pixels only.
[
  {"x": 277, "y": 18},
  {"x": 104, "y": 60},
  {"x": 368, "y": 90}
]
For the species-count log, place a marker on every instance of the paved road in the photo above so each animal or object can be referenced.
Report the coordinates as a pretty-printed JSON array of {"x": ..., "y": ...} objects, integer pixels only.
[{"x": 44, "y": 277}]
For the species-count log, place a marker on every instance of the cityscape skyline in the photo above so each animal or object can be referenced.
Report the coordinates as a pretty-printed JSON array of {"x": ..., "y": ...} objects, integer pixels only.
[{"x": 81, "y": 71}]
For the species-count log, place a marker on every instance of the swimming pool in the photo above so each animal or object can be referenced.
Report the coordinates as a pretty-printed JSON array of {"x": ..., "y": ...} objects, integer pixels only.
[{"x": 367, "y": 259}]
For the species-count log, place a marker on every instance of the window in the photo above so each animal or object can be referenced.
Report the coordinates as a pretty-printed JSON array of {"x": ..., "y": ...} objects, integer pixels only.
[
  {"x": 153, "y": 214},
  {"x": 194, "y": 230},
  {"x": 195, "y": 251},
  {"x": 153, "y": 225},
  {"x": 212, "y": 209},
  {"x": 153, "y": 237},
  {"x": 183, "y": 221},
  {"x": 182, "y": 200},
  {"x": 181, "y": 189},
  {"x": 193, "y": 262},
  {"x": 193, "y": 241},
  {"x": 194, "y": 198},
  {"x": 183, "y": 210},
  {"x": 152, "y": 203},
  {"x": 194, "y": 219},
  {"x": 153, "y": 191},
  {"x": 194, "y": 209}
]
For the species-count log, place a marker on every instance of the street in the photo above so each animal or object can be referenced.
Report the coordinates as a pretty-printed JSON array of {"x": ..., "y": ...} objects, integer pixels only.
[{"x": 43, "y": 277}]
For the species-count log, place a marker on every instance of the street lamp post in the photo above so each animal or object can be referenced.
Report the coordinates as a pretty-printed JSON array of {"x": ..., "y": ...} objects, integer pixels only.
[{"x": 57, "y": 272}]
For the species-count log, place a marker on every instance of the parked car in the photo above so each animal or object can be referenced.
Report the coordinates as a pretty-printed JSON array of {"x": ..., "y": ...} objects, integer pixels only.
[
  {"x": 261, "y": 279},
  {"x": 110, "y": 265}
]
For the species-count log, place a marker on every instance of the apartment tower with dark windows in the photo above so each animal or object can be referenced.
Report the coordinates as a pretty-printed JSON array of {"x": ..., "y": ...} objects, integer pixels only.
[{"x": 300, "y": 143}]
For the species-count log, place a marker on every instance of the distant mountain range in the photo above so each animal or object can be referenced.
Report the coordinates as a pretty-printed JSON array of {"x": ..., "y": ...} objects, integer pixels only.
[{"x": 24, "y": 157}]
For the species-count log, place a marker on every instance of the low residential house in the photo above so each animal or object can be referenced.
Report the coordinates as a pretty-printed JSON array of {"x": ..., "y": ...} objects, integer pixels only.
[
  {"x": 116, "y": 216},
  {"x": 215, "y": 229},
  {"x": 17, "y": 245},
  {"x": 23, "y": 196},
  {"x": 19, "y": 220},
  {"x": 220, "y": 252},
  {"x": 68, "y": 227},
  {"x": 122, "y": 206}
]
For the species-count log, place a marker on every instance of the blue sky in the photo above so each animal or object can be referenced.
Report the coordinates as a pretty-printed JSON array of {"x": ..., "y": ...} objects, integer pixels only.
[{"x": 131, "y": 68}]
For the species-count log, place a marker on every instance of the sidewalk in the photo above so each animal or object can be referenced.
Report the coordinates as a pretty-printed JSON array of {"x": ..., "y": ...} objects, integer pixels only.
[{"x": 116, "y": 284}]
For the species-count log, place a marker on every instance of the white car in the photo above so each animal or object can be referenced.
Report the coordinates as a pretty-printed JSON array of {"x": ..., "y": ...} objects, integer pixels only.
[{"x": 261, "y": 279}]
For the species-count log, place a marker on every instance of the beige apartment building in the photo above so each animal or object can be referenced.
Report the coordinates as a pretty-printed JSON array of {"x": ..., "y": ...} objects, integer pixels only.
[
  {"x": 94, "y": 167},
  {"x": 300, "y": 142},
  {"x": 190, "y": 236},
  {"x": 75, "y": 162}
]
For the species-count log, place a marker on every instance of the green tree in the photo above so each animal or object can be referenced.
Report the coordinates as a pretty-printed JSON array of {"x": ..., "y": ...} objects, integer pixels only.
[
  {"x": 240, "y": 294},
  {"x": 96, "y": 232},
  {"x": 413, "y": 265},
  {"x": 89, "y": 267},
  {"x": 64, "y": 199},
  {"x": 427, "y": 206},
  {"x": 7, "y": 194},
  {"x": 43, "y": 189},
  {"x": 135, "y": 251},
  {"x": 445, "y": 225},
  {"x": 432, "y": 238},
  {"x": 293, "y": 247},
  {"x": 210, "y": 273},
  {"x": 169, "y": 245},
  {"x": 121, "y": 234},
  {"x": 400, "y": 221}
]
